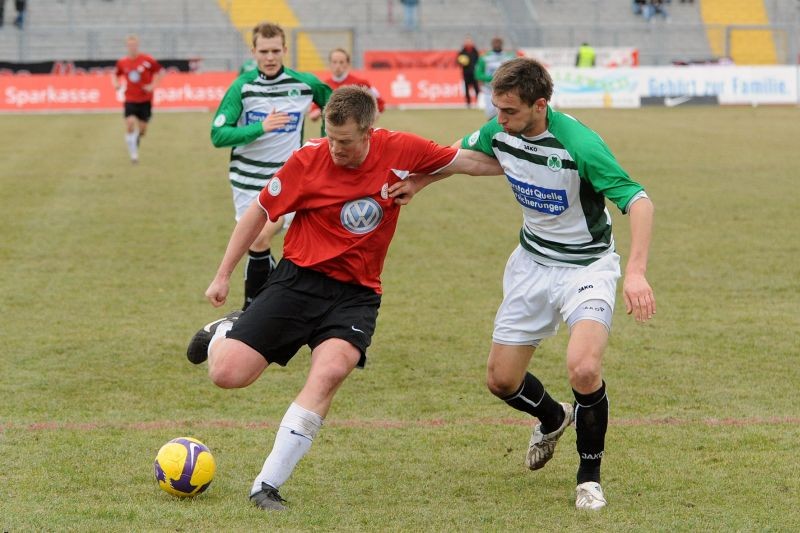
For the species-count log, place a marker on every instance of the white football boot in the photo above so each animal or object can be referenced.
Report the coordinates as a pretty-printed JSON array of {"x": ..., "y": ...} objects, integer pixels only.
[
  {"x": 589, "y": 496},
  {"x": 542, "y": 446}
]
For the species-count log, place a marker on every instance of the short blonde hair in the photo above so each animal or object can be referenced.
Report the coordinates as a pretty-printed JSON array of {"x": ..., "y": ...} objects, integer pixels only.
[
  {"x": 268, "y": 30},
  {"x": 352, "y": 102}
]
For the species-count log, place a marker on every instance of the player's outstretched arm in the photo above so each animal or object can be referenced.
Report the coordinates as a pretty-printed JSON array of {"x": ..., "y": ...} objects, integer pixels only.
[
  {"x": 245, "y": 232},
  {"x": 404, "y": 191},
  {"x": 465, "y": 162},
  {"x": 639, "y": 298},
  {"x": 474, "y": 164}
]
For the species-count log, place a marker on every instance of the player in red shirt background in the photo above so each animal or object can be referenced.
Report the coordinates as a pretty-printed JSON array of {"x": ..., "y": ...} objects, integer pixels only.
[
  {"x": 326, "y": 290},
  {"x": 339, "y": 66},
  {"x": 139, "y": 73}
]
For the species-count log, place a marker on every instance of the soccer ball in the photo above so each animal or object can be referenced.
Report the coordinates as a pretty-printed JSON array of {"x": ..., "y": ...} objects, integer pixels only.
[{"x": 184, "y": 467}]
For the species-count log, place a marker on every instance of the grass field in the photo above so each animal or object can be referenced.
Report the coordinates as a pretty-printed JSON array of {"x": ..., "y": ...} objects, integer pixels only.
[{"x": 103, "y": 271}]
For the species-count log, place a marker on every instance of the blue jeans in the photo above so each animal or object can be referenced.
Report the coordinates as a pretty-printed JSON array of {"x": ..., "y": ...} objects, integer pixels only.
[{"x": 410, "y": 16}]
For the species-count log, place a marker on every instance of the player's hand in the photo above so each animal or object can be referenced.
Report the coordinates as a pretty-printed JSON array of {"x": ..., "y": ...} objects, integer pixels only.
[
  {"x": 217, "y": 292},
  {"x": 275, "y": 121},
  {"x": 639, "y": 297},
  {"x": 315, "y": 114},
  {"x": 148, "y": 88},
  {"x": 403, "y": 191}
]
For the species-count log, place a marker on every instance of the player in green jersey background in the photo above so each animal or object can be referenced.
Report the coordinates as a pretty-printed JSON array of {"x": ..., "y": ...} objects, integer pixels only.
[
  {"x": 261, "y": 117},
  {"x": 488, "y": 63}
]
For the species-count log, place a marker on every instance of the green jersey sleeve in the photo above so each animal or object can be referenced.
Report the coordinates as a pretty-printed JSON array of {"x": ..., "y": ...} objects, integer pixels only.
[
  {"x": 600, "y": 167},
  {"x": 481, "y": 140},
  {"x": 596, "y": 164},
  {"x": 224, "y": 128}
]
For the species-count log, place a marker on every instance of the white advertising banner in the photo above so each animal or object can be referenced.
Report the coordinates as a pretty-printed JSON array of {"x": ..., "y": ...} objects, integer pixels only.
[
  {"x": 624, "y": 87},
  {"x": 595, "y": 87},
  {"x": 731, "y": 85}
]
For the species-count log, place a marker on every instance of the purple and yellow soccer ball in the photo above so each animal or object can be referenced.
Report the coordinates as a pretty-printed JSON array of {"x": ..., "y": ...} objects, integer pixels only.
[{"x": 184, "y": 467}]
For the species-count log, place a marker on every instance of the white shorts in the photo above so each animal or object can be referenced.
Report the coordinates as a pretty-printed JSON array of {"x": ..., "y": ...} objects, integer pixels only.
[
  {"x": 486, "y": 98},
  {"x": 536, "y": 298},
  {"x": 242, "y": 198}
]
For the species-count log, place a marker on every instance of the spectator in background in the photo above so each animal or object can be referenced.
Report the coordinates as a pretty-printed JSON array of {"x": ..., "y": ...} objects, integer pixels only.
[
  {"x": 467, "y": 58},
  {"x": 410, "y": 14},
  {"x": 20, "y": 5},
  {"x": 653, "y": 8},
  {"x": 660, "y": 7},
  {"x": 339, "y": 66},
  {"x": 484, "y": 70},
  {"x": 139, "y": 74},
  {"x": 586, "y": 56}
]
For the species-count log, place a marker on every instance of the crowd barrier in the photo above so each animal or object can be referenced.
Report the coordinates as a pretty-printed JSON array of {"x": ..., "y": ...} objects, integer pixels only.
[{"x": 410, "y": 88}]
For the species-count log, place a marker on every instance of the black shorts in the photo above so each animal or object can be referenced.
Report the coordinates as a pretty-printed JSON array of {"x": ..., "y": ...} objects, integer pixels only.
[
  {"x": 141, "y": 110},
  {"x": 299, "y": 306}
]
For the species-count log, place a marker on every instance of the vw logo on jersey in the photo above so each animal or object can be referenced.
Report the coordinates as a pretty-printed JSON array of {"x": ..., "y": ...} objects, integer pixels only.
[
  {"x": 134, "y": 76},
  {"x": 361, "y": 216}
]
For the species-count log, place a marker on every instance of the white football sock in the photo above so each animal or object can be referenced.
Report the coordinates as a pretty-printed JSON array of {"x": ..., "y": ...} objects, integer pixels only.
[
  {"x": 130, "y": 141},
  {"x": 295, "y": 434},
  {"x": 222, "y": 329}
]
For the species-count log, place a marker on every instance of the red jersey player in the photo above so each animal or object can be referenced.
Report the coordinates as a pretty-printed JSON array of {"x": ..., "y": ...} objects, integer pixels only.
[
  {"x": 326, "y": 290},
  {"x": 139, "y": 73},
  {"x": 339, "y": 65}
]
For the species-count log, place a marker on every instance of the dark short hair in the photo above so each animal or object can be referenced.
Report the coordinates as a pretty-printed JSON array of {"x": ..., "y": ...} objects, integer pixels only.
[
  {"x": 268, "y": 30},
  {"x": 352, "y": 102},
  {"x": 526, "y": 76}
]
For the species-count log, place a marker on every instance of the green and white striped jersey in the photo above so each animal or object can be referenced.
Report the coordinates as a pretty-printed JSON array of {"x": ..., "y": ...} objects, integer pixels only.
[
  {"x": 256, "y": 155},
  {"x": 561, "y": 178}
]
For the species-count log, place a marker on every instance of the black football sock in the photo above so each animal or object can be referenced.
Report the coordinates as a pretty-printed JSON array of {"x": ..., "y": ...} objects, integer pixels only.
[
  {"x": 531, "y": 398},
  {"x": 259, "y": 266},
  {"x": 591, "y": 422}
]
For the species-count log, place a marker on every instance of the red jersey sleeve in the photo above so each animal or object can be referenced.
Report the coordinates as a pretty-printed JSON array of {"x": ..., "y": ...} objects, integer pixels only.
[
  {"x": 424, "y": 156},
  {"x": 118, "y": 72},
  {"x": 284, "y": 192}
]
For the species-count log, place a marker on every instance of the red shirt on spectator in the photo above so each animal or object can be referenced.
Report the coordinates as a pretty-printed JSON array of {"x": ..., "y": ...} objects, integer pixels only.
[
  {"x": 138, "y": 72},
  {"x": 354, "y": 80}
]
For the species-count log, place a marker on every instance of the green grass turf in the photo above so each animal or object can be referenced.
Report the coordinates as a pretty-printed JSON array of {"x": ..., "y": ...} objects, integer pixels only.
[{"x": 104, "y": 266}]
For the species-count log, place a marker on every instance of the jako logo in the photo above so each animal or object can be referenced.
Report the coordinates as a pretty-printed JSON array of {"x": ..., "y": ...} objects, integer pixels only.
[
  {"x": 591, "y": 456},
  {"x": 585, "y": 287},
  {"x": 361, "y": 216}
]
